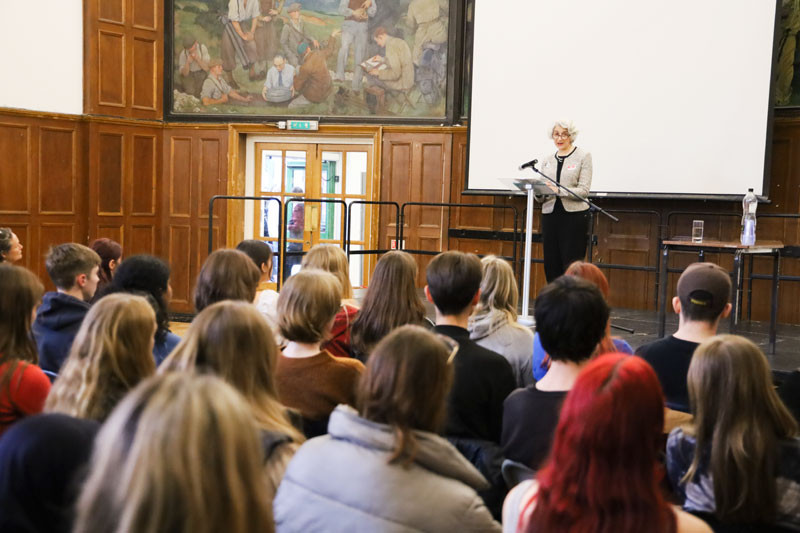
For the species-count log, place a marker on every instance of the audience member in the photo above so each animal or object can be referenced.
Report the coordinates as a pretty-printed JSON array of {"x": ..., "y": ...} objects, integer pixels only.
[
  {"x": 111, "y": 354},
  {"x": 384, "y": 467},
  {"x": 603, "y": 473},
  {"x": 609, "y": 344},
  {"x": 739, "y": 461},
  {"x": 391, "y": 301},
  {"x": 42, "y": 459},
  {"x": 571, "y": 316},
  {"x": 493, "y": 324},
  {"x": 148, "y": 276},
  {"x": 482, "y": 378},
  {"x": 23, "y": 385},
  {"x": 179, "y": 454},
  {"x": 309, "y": 378},
  {"x": 73, "y": 269},
  {"x": 233, "y": 341},
  {"x": 331, "y": 258},
  {"x": 110, "y": 253},
  {"x": 704, "y": 290},
  {"x": 226, "y": 275},
  {"x": 10, "y": 247},
  {"x": 267, "y": 299}
]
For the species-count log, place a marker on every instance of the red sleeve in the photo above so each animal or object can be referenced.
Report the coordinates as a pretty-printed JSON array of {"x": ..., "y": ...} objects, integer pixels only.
[{"x": 29, "y": 389}]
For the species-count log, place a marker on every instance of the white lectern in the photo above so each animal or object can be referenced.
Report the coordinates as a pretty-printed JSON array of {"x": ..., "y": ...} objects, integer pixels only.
[{"x": 531, "y": 186}]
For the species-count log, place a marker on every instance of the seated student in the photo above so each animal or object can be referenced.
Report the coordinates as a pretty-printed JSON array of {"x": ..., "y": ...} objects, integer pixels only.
[
  {"x": 226, "y": 275},
  {"x": 23, "y": 385},
  {"x": 391, "y": 301},
  {"x": 384, "y": 467},
  {"x": 10, "y": 247},
  {"x": 704, "y": 290},
  {"x": 609, "y": 344},
  {"x": 41, "y": 462},
  {"x": 571, "y": 316},
  {"x": 148, "y": 276},
  {"x": 603, "y": 473},
  {"x": 331, "y": 258},
  {"x": 483, "y": 378},
  {"x": 266, "y": 300},
  {"x": 73, "y": 269},
  {"x": 180, "y": 453},
  {"x": 493, "y": 324},
  {"x": 309, "y": 378},
  {"x": 110, "y": 253},
  {"x": 739, "y": 462},
  {"x": 233, "y": 341},
  {"x": 111, "y": 354}
]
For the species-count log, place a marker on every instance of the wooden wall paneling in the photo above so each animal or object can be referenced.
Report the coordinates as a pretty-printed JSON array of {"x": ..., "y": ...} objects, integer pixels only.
[
  {"x": 195, "y": 168},
  {"x": 16, "y": 158},
  {"x": 58, "y": 171},
  {"x": 123, "y": 63},
  {"x": 395, "y": 185},
  {"x": 144, "y": 175}
]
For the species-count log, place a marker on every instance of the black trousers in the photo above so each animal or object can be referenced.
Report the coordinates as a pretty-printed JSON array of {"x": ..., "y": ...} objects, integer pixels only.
[{"x": 563, "y": 239}]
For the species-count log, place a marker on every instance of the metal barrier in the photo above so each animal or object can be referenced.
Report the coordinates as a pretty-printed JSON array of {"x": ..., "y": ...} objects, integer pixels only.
[
  {"x": 349, "y": 220},
  {"x": 286, "y": 253},
  {"x": 511, "y": 208}
]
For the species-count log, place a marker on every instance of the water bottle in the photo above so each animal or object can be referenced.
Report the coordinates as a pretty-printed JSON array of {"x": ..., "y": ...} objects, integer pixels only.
[{"x": 749, "y": 205}]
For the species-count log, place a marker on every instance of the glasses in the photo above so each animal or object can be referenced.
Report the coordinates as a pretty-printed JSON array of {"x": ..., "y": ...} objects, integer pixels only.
[
  {"x": 451, "y": 345},
  {"x": 564, "y": 135}
]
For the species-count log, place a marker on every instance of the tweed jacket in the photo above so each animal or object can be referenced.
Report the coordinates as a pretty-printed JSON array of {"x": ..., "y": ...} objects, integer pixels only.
[{"x": 576, "y": 174}]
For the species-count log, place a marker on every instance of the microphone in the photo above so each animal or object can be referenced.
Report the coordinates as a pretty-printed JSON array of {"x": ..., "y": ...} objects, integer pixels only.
[{"x": 529, "y": 164}]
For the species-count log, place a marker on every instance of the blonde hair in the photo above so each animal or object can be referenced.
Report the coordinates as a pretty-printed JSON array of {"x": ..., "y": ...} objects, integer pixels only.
[
  {"x": 111, "y": 354},
  {"x": 498, "y": 289},
  {"x": 740, "y": 419},
  {"x": 181, "y": 453},
  {"x": 331, "y": 258},
  {"x": 307, "y": 304},
  {"x": 233, "y": 341}
]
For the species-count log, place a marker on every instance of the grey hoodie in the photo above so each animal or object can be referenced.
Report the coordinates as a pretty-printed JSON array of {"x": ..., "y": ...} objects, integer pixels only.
[
  {"x": 493, "y": 331},
  {"x": 343, "y": 482}
]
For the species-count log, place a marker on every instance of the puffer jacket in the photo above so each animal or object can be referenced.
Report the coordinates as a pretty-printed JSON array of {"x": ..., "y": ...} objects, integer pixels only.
[
  {"x": 493, "y": 331},
  {"x": 343, "y": 482}
]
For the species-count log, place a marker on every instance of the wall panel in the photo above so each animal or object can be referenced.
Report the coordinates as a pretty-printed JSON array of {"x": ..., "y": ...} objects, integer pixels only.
[
  {"x": 145, "y": 167},
  {"x": 15, "y": 161},
  {"x": 111, "y": 75},
  {"x": 58, "y": 171}
]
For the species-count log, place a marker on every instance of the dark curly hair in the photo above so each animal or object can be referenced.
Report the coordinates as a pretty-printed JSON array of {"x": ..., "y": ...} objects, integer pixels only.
[{"x": 148, "y": 275}]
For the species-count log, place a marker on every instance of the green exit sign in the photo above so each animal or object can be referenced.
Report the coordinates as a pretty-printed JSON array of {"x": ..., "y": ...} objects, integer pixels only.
[{"x": 305, "y": 125}]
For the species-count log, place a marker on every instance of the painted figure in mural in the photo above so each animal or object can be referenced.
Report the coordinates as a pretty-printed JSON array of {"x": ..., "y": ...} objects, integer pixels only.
[
  {"x": 790, "y": 25},
  {"x": 396, "y": 70},
  {"x": 428, "y": 18},
  {"x": 293, "y": 34},
  {"x": 216, "y": 89},
  {"x": 193, "y": 65},
  {"x": 354, "y": 32},
  {"x": 313, "y": 83},
  {"x": 238, "y": 38},
  {"x": 279, "y": 85},
  {"x": 266, "y": 33}
]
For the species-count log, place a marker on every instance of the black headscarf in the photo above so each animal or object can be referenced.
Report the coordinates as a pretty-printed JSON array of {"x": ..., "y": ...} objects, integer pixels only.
[{"x": 42, "y": 460}]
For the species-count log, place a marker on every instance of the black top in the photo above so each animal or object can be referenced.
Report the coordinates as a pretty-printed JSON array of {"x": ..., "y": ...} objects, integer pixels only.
[
  {"x": 530, "y": 417},
  {"x": 670, "y": 358},
  {"x": 482, "y": 379},
  {"x": 560, "y": 163},
  {"x": 789, "y": 392},
  {"x": 57, "y": 322}
]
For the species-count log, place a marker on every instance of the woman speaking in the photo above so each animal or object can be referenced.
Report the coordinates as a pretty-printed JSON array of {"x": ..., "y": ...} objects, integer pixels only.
[{"x": 565, "y": 218}]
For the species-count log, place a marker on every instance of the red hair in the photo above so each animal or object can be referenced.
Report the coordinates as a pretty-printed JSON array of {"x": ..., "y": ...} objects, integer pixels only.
[
  {"x": 602, "y": 475},
  {"x": 594, "y": 275}
]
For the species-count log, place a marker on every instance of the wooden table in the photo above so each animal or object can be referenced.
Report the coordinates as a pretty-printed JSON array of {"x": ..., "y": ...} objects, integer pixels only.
[{"x": 738, "y": 250}]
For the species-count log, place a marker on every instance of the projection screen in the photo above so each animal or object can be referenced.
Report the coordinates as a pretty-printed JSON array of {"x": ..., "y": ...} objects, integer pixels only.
[{"x": 671, "y": 98}]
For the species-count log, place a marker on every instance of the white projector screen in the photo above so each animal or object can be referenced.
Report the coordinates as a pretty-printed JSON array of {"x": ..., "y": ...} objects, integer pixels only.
[{"x": 671, "y": 98}]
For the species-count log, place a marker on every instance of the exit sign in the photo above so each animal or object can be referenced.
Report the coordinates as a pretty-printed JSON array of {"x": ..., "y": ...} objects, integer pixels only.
[{"x": 306, "y": 125}]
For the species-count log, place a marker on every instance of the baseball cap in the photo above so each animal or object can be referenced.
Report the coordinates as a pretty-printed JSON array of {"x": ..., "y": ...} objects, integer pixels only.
[{"x": 705, "y": 285}]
